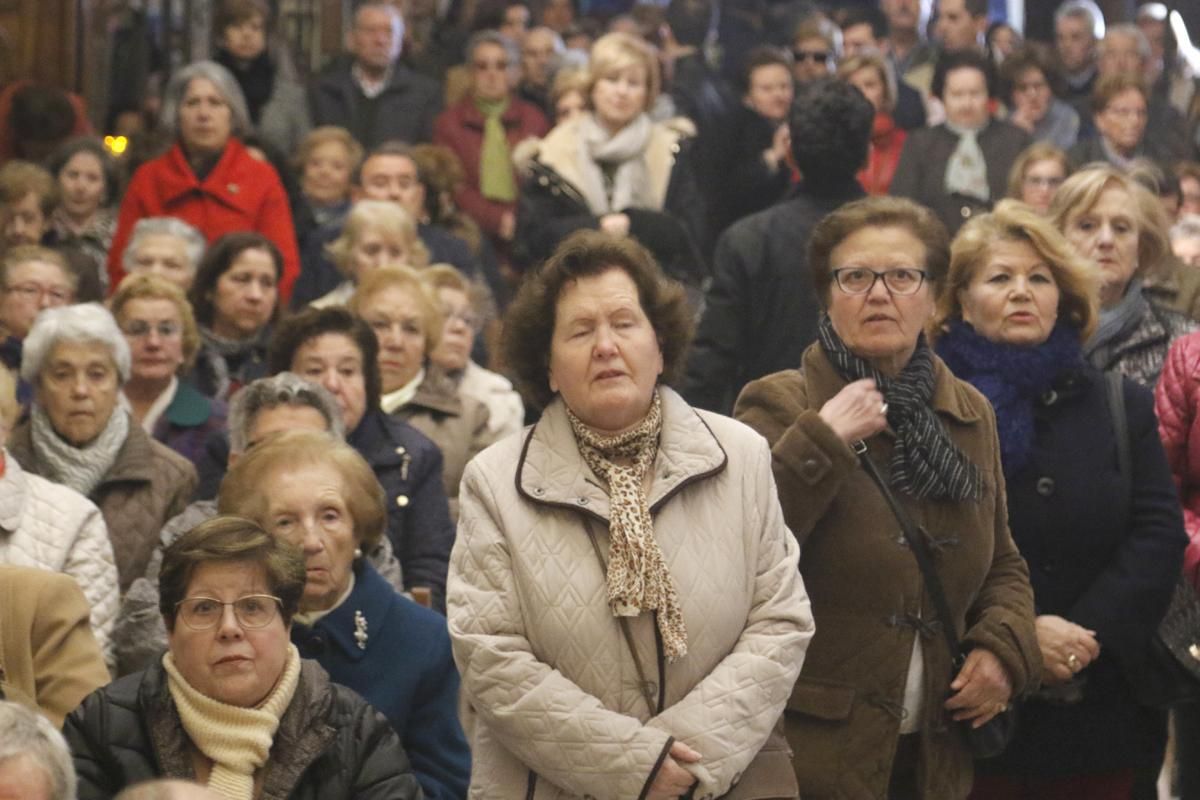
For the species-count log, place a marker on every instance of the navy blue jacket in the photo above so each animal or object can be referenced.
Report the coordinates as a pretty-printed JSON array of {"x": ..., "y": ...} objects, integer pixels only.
[
  {"x": 409, "y": 467},
  {"x": 404, "y": 668},
  {"x": 1100, "y": 560}
]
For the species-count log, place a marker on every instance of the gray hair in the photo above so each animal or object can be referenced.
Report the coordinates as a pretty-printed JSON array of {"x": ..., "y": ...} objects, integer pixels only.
[
  {"x": 87, "y": 322},
  {"x": 193, "y": 240},
  {"x": 1131, "y": 31},
  {"x": 1083, "y": 9},
  {"x": 283, "y": 389},
  {"x": 24, "y": 733},
  {"x": 1188, "y": 227},
  {"x": 226, "y": 85},
  {"x": 511, "y": 51}
]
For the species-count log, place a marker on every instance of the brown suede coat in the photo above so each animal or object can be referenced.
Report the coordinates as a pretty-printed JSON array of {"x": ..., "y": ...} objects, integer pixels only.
[{"x": 866, "y": 589}]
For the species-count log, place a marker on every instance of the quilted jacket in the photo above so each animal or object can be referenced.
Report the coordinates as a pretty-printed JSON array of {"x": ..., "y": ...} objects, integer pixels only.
[
  {"x": 1141, "y": 353},
  {"x": 1177, "y": 404},
  {"x": 51, "y": 527},
  {"x": 147, "y": 485},
  {"x": 554, "y": 706}
]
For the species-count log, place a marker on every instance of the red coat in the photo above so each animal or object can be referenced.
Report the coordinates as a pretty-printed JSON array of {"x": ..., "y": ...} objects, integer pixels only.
[
  {"x": 460, "y": 128},
  {"x": 240, "y": 194},
  {"x": 1177, "y": 404},
  {"x": 887, "y": 140}
]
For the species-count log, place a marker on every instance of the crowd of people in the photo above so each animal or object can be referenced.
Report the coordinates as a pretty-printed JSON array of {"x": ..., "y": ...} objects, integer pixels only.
[{"x": 658, "y": 399}]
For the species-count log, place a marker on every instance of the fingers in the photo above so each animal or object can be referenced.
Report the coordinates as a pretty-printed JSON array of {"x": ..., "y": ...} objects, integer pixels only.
[
  {"x": 672, "y": 780},
  {"x": 681, "y": 752}
]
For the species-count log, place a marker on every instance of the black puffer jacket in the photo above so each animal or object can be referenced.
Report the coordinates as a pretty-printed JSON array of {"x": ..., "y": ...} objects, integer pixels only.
[{"x": 330, "y": 743}]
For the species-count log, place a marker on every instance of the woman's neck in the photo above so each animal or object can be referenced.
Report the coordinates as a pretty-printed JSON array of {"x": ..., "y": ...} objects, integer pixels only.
[
  {"x": 232, "y": 333},
  {"x": 78, "y": 223},
  {"x": 142, "y": 394}
]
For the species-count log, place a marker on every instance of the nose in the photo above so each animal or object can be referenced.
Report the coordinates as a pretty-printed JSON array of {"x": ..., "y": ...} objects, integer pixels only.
[
  {"x": 229, "y": 627},
  {"x": 605, "y": 345},
  {"x": 332, "y": 381},
  {"x": 254, "y": 291},
  {"x": 878, "y": 291},
  {"x": 79, "y": 386},
  {"x": 1104, "y": 235},
  {"x": 312, "y": 544}
]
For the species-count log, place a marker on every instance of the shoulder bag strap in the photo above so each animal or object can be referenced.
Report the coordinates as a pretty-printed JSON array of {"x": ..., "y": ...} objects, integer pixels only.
[
  {"x": 1115, "y": 390},
  {"x": 920, "y": 549},
  {"x": 643, "y": 684}
]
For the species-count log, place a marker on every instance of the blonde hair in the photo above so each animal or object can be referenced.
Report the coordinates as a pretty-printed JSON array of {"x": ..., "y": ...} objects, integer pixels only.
[
  {"x": 445, "y": 276},
  {"x": 241, "y": 491},
  {"x": 1080, "y": 192},
  {"x": 1038, "y": 151},
  {"x": 570, "y": 79},
  {"x": 144, "y": 286},
  {"x": 1014, "y": 221},
  {"x": 378, "y": 216},
  {"x": 887, "y": 75},
  {"x": 324, "y": 135},
  {"x": 614, "y": 52},
  {"x": 409, "y": 281},
  {"x": 9, "y": 407}
]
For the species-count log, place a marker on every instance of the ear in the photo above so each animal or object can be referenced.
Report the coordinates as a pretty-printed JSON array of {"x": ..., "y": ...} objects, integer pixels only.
[{"x": 553, "y": 383}]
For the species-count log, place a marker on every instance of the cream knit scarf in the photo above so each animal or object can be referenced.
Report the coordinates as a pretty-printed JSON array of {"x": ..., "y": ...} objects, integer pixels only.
[
  {"x": 638, "y": 577},
  {"x": 238, "y": 740},
  {"x": 78, "y": 468}
]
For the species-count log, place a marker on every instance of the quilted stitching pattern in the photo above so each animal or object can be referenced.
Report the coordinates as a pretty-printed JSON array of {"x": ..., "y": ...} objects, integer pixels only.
[
  {"x": 544, "y": 665},
  {"x": 1176, "y": 401}
]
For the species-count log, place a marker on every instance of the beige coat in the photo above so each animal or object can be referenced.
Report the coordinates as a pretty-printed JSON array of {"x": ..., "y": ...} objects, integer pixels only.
[
  {"x": 554, "y": 705},
  {"x": 49, "y": 659}
]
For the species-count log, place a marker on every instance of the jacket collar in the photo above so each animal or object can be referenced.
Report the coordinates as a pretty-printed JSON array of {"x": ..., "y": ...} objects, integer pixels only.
[
  {"x": 471, "y": 116},
  {"x": 224, "y": 184},
  {"x": 135, "y": 459},
  {"x": 189, "y": 408},
  {"x": 371, "y": 598},
  {"x": 437, "y": 393},
  {"x": 552, "y": 471}
]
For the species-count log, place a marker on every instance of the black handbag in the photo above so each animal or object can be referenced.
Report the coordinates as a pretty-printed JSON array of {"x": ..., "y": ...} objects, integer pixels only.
[
  {"x": 1171, "y": 672},
  {"x": 987, "y": 740}
]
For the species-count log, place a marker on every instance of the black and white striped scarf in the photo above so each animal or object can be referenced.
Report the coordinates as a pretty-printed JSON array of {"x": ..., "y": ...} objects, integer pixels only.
[{"x": 925, "y": 463}]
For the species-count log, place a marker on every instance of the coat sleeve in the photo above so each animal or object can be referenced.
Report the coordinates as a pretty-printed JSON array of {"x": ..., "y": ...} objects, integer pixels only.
[
  {"x": 133, "y": 208},
  {"x": 1002, "y": 617},
  {"x": 728, "y": 715},
  {"x": 275, "y": 223},
  {"x": 98, "y": 774},
  {"x": 381, "y": 767},
  {"x": 1127, "y": 599},
  {"x": 1174, "y": 405},
  {"x": 67, "y": 661},
  {"x": 429, "y": 535},
  {"x": 545, "y": 720},
  {"x": 906, "y": 180},
  {"x": 434, "y": 738},
  {"x": 809, "y": 461},
  {"x": 93, "y": 567}
]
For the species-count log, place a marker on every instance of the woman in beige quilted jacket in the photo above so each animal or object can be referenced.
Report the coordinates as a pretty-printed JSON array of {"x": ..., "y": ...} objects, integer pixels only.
[{"x": 624, "y": 600}]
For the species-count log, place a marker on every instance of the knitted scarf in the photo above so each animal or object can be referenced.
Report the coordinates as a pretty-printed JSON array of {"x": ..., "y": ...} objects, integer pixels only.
[
  {"x": 966, "y": 171},
  {"x": 78, "y": 468},
  {"x": 496, "y": 180},
  {"x": 219, "y": 352},
  {"x": 925, "y": 463},
  {"x": 1117, "y": 323},
  {"x": 1011, "y": 377},
  {"x": 637, "y": 572},
  {"x": 237, "y": 740},
  {"x": 621, "y": 154},
  {"x": 255, "y": 77}
]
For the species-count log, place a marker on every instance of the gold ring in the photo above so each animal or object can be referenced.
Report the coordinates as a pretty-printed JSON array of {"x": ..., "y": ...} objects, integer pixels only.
[
  {"x": 883, "y": 410},
  {"x": 1001, "y": 708},
  {"x": 1073, "y": 662}
]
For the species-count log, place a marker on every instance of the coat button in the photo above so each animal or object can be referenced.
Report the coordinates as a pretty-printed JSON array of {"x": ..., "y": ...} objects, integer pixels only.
[
  {"x": 539, "y": 491},
  {"x": 402, "y": 500},
  {"x": 400, "y": 451},
  {"x": 965, "y": 211},
  {"x": 1049, "y": 397},
  {"x": 583, "y": 501},
  {"x": 1045, "y": 486}
]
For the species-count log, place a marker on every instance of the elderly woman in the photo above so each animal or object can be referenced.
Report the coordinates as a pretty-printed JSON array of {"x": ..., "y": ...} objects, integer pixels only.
[
  {"x": 85, "y": 217},
  {"x": 51, "y": 527},
  {"x": 871, "y": 74},
  {"x": 760, "y": 171},
  {"x": 163, "y": 340},
  {"x": 960, "y": 168},
  {"x": 332, "y": 347},
  {"x": 1120, "y": 112},
  {"x": 33, "y": 278},
  {"x": 320, "y": 495},
  {"x": 1116, "y": 224},
  {"x": 700, "y": 604},
  {"x": 235, "y": 299},
  {"x": 614, "y": 169},
  {"x": 506, "y": 412},
  {"x": 568, "y": 93},
  {"x": 482, "y": 128},
  {"x": 167, "y": 247},
  {"x": 326, "y": 160},
  {"x": 231, "y": 704},
  {"x": 77, "y": 435},
  {"x": 275, "y": 96},
  {"x": 1103, "y": 541},
  {"x": 35, "y": 763},
  {"x": 876, "y": 706},
  {"x": 1185, "y": 239},
  {"x": 1029, "y": 77},
  {"x": 1036, "y": 175},
  {"x": 28, "y": 196},
  {"x": 208, "y": 178},
  {"x": 377, "y": 233},
  {"x": 406, "y": 319}
]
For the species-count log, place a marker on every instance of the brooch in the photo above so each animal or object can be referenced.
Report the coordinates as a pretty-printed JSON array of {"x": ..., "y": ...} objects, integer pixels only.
[{"x": 360, "y": 630}]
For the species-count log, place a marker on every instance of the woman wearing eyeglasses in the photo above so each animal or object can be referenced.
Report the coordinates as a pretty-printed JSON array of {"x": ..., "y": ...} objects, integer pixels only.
[
  {"x": 163, "y": 339},
  {"x": 231, "y": 705},
  {"x": 1036, "y": 175},
  {"x": 878, "y": 705}
]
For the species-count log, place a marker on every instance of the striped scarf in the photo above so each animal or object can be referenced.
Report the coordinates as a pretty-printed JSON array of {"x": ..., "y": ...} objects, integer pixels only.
[{"x": 925, "y": 463}]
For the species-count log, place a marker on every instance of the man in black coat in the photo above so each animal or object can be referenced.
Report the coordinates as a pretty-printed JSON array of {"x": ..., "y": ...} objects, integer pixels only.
[
  {"x": 761, "y": 310},
  {"x": 369, "y": 92}
]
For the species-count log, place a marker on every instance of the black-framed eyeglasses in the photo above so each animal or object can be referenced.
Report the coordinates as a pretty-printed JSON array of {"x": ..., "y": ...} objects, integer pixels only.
[
  {"x": 817, "y": 56},
  {"x": 860, "y": 280},
  {"x": 252, "y": 611}
]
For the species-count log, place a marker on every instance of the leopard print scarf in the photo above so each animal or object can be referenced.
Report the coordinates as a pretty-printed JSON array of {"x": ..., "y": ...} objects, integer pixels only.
[{"x": 637, "y": 572}]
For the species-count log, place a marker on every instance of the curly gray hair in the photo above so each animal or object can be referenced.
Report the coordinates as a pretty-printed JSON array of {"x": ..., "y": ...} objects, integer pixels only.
[
  {"x": 221, "y": 78},
  {"x": 193, "y": 240},
  {"x": 87, "y": 322},
  {"x": 26, "y": 734},
  {"x": 284, "y": 389}
]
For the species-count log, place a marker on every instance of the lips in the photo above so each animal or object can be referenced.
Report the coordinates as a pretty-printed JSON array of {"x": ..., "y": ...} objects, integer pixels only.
[
  {"x": 609, "y": 373},
  {"x": 232, "y": 660}
]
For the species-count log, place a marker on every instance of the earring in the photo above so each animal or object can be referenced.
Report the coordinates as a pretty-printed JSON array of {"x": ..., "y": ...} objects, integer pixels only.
[{"x": 358, "y": 552}]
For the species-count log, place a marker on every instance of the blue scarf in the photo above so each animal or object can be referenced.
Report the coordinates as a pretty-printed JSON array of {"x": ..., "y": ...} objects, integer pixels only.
[{"x": 1011, "y": 377}]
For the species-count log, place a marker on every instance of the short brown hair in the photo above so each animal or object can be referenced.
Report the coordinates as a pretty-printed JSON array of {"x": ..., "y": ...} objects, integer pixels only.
[
  {"x": 529, "y": 324},
  {"x": 324, "y": 135},
  {"x": 409, "y": 281},
  {"x": 235, "y": 12},
  {"x": 1038, "y": 151},
  {"x": 1013, "y": 221},
  {"x": 230, "y": 539},
  {"x": 22, "y": 254},
  {"x": 1108, "y": 88},
  {"x": 21, "y": 178},
  {"x": 144, "y": 286},
  {"x": 877, "y": 212},
  {"x": 241, "y": 491}
]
